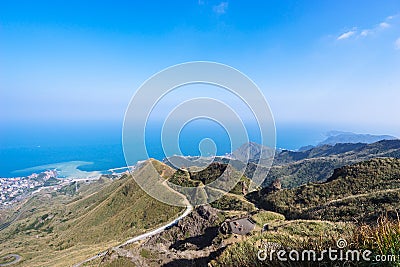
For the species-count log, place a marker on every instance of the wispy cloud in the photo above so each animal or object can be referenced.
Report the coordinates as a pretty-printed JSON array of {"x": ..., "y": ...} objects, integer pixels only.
[
  {"x": 221, "y": 8},
  {"x": 381, "y": 26},
  {"x": 397, "y": 44},
  {"x": 346, "y": 35},
  {"x": 392, "y": 17},
  {"x": 387, "y": 23}
]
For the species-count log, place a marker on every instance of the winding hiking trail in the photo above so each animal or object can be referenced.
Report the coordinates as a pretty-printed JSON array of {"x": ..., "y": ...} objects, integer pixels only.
[{"x": 383, "y": 191}]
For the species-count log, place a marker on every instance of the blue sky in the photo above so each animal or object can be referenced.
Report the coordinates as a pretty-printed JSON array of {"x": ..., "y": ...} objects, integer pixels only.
[{"x": 335, "y": 63}]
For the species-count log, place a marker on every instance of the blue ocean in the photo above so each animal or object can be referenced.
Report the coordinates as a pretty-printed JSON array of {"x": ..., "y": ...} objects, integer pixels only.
[{"x": 98, "y": 147}]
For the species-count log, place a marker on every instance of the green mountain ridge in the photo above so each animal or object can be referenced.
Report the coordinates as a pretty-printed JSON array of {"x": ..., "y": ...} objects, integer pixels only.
[
  {"x": 294, "y": 168},
  {"x": 360, "y": 192}
]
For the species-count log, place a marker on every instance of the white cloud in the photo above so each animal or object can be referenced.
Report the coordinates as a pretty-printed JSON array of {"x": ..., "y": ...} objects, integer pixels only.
[
  {"x": 397, "y": 44},
  {"x": 384, "y": 25},
  {"x": 221, "y": 8},
  {"x": 346, "y": 35}
]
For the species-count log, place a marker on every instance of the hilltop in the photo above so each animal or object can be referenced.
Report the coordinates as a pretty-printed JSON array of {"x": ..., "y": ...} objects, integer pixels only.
[
  {"x": 253, "y": 151},
  {"x": 232, "y": 200}
]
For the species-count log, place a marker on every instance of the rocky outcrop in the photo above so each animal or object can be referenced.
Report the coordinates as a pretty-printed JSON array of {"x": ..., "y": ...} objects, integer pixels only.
[{"x": 195, "y": 224}]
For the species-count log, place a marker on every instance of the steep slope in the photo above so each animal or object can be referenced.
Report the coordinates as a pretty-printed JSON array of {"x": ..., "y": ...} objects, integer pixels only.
[
  {"x": 127, "y": 211},
  {"x": 360, "y": 192}
]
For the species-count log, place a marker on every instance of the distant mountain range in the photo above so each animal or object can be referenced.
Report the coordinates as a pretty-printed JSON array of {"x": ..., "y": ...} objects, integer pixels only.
[{"x": 337, "y": 137}]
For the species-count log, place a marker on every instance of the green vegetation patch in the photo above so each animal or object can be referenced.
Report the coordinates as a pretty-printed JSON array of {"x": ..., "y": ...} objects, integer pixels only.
[
  {"x": 262, "y": 217},
  {"x": 232, "y": 202},
  {"x": 145, "y": 253}
]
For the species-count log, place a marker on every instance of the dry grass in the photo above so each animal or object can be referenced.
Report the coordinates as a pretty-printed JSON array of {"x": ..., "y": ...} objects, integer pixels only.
[{"x": 383, "y": 238}]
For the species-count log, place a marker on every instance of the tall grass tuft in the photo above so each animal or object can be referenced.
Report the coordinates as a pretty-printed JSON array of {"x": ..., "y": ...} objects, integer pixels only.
[{"x": 382, "y": 238}]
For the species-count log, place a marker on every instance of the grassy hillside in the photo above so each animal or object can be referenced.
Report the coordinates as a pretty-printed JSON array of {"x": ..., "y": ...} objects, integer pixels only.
[
  {"x": 61, "y": 228},
  {"x": 360, "y": 192}
]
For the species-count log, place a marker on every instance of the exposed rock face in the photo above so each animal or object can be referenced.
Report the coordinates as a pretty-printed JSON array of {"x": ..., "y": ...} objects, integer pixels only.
[
  {"x": 245, "y": 188},
  {"x": 200, "y": 219},
  {"x": 197, "y": 223}
]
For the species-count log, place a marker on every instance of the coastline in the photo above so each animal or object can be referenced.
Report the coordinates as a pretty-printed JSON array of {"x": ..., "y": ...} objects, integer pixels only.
[
  {"x": 68, "y": 169},
  {"x": 50, "y": 177}
]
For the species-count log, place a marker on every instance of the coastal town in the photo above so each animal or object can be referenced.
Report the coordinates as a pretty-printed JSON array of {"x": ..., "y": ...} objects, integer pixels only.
[{"x": 16, "y": 188}]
